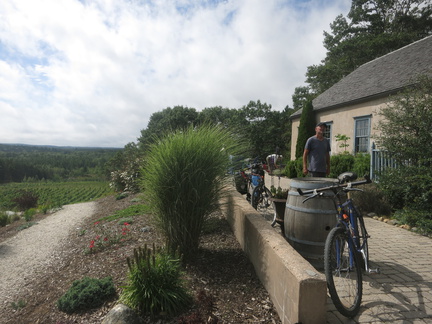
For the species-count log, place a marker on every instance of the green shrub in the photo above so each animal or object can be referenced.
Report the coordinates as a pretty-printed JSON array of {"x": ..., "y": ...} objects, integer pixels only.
[
  {"x": 86, "y": 294},
  {"x": 372, "y": 200},
  {"x": 407, "y": 186},
  {"x": 155, "y": 284},
  {"x": 361, "y": 164},
  {"x": 340, "y": 163},
  {"x": 294, "y": 169},
  {"x": 185, "y": 174},
  {"x": 422, "y": 219},
  {"x": 29, "y": 213},
  {"x": 26, "y": 199},
  {"x": 4, "y": 219}
]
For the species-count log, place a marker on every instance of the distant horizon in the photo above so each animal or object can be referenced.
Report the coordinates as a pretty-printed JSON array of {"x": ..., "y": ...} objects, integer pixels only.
[{"x": 63, "y": 146}]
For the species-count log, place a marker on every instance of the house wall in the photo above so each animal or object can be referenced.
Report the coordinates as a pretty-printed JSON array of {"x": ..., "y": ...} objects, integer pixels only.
[{"x": 342, "y": 121}]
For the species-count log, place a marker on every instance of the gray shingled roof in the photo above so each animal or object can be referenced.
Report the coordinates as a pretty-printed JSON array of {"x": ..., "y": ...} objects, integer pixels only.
[{"x": 379, "y": 77}]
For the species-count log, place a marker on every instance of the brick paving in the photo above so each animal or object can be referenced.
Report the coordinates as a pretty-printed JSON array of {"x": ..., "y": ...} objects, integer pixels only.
[{"x": 402, "y": 292}]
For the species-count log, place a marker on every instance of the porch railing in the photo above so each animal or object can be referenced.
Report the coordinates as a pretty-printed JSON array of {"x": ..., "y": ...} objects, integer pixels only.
[{"x": 380, "y": 161}]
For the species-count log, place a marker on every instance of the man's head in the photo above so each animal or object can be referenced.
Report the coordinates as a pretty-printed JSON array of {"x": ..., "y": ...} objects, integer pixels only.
[
  {"x": 320, "y": 128},
  {"x": 322, "y": 125}
]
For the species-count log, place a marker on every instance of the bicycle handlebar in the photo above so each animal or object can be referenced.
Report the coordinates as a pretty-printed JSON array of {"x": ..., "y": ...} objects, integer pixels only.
[{"x": 335, "y": 187}]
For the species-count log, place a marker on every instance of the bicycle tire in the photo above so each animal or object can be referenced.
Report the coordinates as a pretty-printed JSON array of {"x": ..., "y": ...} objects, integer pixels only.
[
  {"x": 344, "y": 281},
  {"x": 363, "y": 236},
  {"x": 261, "y": 199}
]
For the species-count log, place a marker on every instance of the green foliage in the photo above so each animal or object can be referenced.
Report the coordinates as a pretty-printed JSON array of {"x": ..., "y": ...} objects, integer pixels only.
[
  {"x": 25, "y": 199},
  {"x": 130, "y": 211},
  {"x": 294, "y": 169},
  {"x": 373, "y": 28},
  {"x": 185, "y": 174},
  {"x": 256, "y": 125},
  {"x": 340, "y": 163},
  {"x": 124, "y": 169},
  {"x": 29, "y": 213},
  {"x": 20, "y": 304},
  {"x": 278, "y": 192},
  {"x": 407, "y": 187},
  {"x": 53, "y": 194},
  {"x": 361, "y": 164},
  {"x": 306, "y": 128},
  {"x": 166, "y": 121},
  {"x": 421, "y": 219},
  {"x": 86, "y": 294},
  {"x": 154, "y": 283},
  {"x": 372, "y": 200},
  {"x": 406, "y": 136},
  {"x": 30, "y": 163},
  {"x": 4, "y": 219},
  {"x": 342, "y": 138}
]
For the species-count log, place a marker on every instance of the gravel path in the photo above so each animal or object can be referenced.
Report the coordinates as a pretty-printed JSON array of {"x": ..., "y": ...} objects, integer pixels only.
[{"x": 33, "y": 250}]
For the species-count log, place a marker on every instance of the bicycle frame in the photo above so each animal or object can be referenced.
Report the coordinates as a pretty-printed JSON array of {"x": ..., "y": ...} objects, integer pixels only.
[{"x": 349, "y": 218}]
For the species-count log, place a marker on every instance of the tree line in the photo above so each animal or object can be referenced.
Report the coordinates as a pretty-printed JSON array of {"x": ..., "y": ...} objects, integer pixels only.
[{"x": 34, "y": 163}]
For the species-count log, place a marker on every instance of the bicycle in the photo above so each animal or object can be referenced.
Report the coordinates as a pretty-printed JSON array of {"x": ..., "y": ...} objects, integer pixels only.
[
  {"x": 346, "y": 251},
  {"x": 261, "y": 194}
]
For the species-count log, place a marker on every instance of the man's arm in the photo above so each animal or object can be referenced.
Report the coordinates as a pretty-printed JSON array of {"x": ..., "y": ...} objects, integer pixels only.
[
  {"x": 328, "y": 163},
  {"x": 305, "y": 155}
]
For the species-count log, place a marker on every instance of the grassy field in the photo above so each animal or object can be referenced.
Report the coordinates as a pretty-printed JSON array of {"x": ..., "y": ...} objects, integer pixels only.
[{"x": 54, "y": 194}]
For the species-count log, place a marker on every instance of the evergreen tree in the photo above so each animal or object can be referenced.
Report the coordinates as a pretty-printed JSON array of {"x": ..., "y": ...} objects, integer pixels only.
[{"x": 306, "y": 128}]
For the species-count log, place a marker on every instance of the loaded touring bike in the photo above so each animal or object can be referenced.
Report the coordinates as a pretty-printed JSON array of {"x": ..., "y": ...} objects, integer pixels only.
[{"x": 346, "y": 252}]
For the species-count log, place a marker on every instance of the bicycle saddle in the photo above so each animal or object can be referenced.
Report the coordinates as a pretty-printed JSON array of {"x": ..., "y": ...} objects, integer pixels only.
[{"x": 347, "y": 177}]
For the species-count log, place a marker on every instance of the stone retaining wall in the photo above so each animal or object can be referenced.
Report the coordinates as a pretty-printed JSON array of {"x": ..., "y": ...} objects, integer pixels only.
[{"x": 297, "y": 290}]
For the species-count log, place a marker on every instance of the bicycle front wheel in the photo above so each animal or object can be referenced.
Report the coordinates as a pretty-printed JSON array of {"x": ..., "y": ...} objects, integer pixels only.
[
  {"x": 261, "y": 199},
  {"x": 343, "y": 273}
]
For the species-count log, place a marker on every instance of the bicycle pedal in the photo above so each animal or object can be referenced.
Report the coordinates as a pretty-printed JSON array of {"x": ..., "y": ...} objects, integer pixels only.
[{"x": 374, "y": 271}]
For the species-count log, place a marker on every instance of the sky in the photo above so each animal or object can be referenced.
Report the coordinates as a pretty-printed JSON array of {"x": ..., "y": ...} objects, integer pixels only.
[{"x": 92, "y": 72}]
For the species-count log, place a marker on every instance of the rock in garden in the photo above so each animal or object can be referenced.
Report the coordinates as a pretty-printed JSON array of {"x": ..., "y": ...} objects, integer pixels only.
[{"x": 121, "y": 314}]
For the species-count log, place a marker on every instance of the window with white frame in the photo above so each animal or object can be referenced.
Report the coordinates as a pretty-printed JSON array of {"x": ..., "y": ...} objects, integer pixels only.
[
  {"x": 328, "y": 131},
  {"x": 362, "y": 134}
]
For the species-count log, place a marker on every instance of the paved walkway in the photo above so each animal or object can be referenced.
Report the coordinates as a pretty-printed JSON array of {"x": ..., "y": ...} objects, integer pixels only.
[{"x": 402, "y": 292}]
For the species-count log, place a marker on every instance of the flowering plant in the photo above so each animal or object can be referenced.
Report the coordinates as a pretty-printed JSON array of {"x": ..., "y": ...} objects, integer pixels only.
[{"x": 107, "y": 236}]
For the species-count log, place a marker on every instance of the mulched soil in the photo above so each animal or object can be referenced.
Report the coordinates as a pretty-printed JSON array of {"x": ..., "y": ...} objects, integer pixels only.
[{"x": 221, "y": 271}]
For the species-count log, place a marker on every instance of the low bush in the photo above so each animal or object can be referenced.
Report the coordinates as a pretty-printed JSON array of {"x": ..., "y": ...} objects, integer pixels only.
[
  {"x": 422, "y": 219},
  {"x": 86, "y": 294},
  {"x": 294, "y": 169},
  {"x": 372, "y": 200},
  {"x": 361, "y": 164},
  {"x": 341, "y": 163},
  {"x": 29, "y": 213},
  {"x": 26, "y": 199},
  {"x": 155, "y": 284},
  {"x": 4, "y": 219}
]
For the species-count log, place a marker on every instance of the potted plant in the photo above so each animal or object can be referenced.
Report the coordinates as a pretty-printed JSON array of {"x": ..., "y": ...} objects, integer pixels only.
[{"x": 279, "y": 198}]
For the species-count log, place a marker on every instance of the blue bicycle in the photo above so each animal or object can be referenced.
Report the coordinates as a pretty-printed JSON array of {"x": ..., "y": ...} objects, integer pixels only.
[{"x": 346, "y": 251}]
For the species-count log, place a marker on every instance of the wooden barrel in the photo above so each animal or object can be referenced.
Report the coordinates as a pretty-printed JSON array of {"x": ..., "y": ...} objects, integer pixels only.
[{"x": 308, "y": 224}]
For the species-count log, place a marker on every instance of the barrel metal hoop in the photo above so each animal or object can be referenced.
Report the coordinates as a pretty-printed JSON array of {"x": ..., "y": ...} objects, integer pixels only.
[
  {"x": 311, "y": 211},
  {"x": 305, "y": 241}
]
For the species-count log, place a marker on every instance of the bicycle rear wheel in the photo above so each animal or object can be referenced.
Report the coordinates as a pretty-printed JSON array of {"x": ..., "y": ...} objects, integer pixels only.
[
  {"x": 261, "y": 199},
  {"x": 343, "y": 273}
]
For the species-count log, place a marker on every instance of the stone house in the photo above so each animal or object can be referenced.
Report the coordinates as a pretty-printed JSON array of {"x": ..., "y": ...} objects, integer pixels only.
[{"x": 350, "y": 106}]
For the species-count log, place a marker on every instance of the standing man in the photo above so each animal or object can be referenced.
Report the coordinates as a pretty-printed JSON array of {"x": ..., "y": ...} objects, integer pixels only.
[{"x": 317, "y": 151}]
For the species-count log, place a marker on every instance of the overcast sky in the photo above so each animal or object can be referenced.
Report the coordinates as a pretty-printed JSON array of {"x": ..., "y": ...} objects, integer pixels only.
[{"x": 91, "y": 73}]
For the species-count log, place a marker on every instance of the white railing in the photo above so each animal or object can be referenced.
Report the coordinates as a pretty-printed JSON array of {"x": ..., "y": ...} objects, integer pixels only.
[{"x": 380, "y": 161}]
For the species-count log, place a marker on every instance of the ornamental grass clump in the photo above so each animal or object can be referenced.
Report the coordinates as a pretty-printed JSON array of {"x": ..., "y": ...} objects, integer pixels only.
[
  {"x": 154, "y": 284},
  {"x": 183, "y": 179}
]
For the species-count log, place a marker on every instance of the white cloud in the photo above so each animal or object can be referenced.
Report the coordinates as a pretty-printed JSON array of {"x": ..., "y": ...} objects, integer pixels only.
[{"x": 91, "y": 73}]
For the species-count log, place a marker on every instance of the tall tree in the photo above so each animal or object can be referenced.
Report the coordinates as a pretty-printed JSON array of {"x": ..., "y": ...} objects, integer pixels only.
[
  {"x": 168, "y": 120},
  {"x": 373, "y": 28},
  {"x": 306, "y": 128}
]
